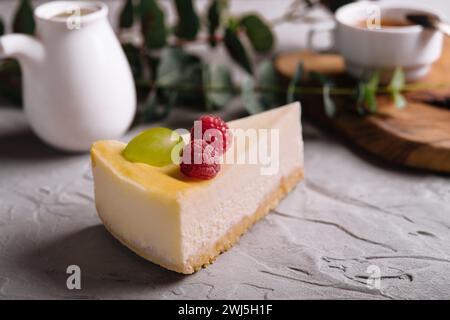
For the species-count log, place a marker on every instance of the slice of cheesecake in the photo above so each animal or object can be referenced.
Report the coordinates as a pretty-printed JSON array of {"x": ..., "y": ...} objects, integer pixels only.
[{"x": 183, "y": 224}]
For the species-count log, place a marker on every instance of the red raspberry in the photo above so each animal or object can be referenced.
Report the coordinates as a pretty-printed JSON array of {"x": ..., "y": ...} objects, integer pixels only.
[
  {"x": 199, "y": 160},
  {"x": 213, "y": 128}
]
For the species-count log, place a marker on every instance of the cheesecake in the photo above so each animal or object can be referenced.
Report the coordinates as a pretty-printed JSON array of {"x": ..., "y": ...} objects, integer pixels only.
[{"x": 183, "y": 224}]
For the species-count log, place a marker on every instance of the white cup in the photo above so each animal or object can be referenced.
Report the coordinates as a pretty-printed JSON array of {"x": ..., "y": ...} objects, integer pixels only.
[{"x": 365, "y": 50}]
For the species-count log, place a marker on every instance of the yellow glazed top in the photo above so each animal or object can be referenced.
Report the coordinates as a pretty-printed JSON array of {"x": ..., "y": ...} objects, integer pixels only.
[{"x": 168, "y": 181}]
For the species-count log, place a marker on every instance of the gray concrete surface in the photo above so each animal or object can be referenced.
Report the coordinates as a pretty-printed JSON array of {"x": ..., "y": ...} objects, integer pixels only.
[{"x": 352, "y": 216}]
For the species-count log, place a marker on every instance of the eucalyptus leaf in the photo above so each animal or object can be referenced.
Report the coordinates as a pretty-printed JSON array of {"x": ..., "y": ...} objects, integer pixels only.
[
  {"x": 134, "y": 59},
  {"x": 126, "y": 18},
  {"x": 294, "y": 83},
  {"x": 2, "y": 27},
  {"x": 398, "y": 80},
  {"x": 11, "y": 81},
  {"x": 328, "y": 103},
  {"x": 236, "y": 49},
  {"x": 233, "y": 24},
  {"x": 322, "y": 79},
  {"x": 153, "y": 25},
  {"x": 269, "y": 81},
  {"x": 218, "y": 84},
  {"x": 153, "y": 109},
  {"x": 374, "y": 81},
  {"x": 396, "y": 86},
  {"x": 399, "y": 100},
  {"x": 370, "y": 93},
  {"x": 206, "y": 77},
  {"x": 330, "y": 107},
  {"x": 182, "y": 73},
  {"x": 149, "y": 107},
  {"x": 360, "y": 94},
  {"x": 173, "y": 66},
  {"x": 153, "y": 63},
  {"x": 249, "y": 98},
  {"x": 188, "y": 21},
  {"x": 370, "y": 101},
  {"x": 23, "y": 21},
  {"x": 215, "y": 10},
  {"x": 137, "y": 11},
  {"x": 258, "y": 32}
]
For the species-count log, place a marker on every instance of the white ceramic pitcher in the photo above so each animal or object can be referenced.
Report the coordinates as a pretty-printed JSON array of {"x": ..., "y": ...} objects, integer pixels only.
[{"x": 78, "y": 86}]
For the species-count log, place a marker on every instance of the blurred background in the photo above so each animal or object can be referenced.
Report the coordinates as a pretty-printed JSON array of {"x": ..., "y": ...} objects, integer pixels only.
[{"x": 288, "y": 21}]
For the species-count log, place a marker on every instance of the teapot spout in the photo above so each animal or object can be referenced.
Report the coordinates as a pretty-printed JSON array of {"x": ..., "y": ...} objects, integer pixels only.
[{"x": 27, "y": 49}]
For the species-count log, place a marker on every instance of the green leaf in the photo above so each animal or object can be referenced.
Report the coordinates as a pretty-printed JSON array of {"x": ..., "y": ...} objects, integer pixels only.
[
  {"x": 215, "y": 10},
  {"x": 2, "y": 27},
  {"x": 258, "y": 32},
  {"x": 371, "y": 89},
  {"x": 236, "y": 50},
  {"x": 330, "y": 107},
  {"x": 182, "y": 73},
  {"x": 154, "y": 110},
  {"x": 11, "y": 81},
  {"x": 153, "y": 26},
  {"x": 173, "y": 66},
  {"x": 322, "y": 79},
  {"x": 295, "y": 82},
  {"x": 126, "y": 18},
  {"x": 206, "y": 77},
  {"x": 269, "y": 95},
  {"x": 373, "y": 82},
  {"x": 366, "y": 99},
  {"x": 269, "y": 80},
  {"x": 398, "y": 80},
  {"x": 233, "y": 24},
  {"x": 134, "y": 59},
  {"x": 370, "y": 101},
  {"x": 249, "y": 98},
  {"x": 399, "y": 100},
  {"x": 360, "y": 94},
  {"x": 218, "y": 84},
  {"x": 396, "y": 86},
  {"x": 153, "y": 63},
  {"x": 137, "y": 11},
  {"x": 328, "y": 103},
  {"x": 23, "y": 21},
  {"x": 188, "y": 21}
]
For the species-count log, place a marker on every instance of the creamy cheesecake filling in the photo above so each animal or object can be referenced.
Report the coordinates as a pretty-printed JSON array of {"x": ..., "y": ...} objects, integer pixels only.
[
  {"x": 138, "y": 216},
  {"x": 207, "y": 214},
  {"x": 182, "y": 224}
]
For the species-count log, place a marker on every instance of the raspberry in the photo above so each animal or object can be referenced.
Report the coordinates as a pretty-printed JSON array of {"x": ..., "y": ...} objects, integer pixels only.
[
  {"x": 213, "y": 128},
  {"x": 199, "y": 160}
]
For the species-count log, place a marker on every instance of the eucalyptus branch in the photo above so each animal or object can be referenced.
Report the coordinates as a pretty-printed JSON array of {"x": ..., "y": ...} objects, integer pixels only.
[
  {"x": 167, "y": 74},
  {"x": 310, "y": 90}
]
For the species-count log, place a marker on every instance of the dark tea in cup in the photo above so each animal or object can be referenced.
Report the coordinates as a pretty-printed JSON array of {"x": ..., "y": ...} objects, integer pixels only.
[{"x": 382, "y": 23}]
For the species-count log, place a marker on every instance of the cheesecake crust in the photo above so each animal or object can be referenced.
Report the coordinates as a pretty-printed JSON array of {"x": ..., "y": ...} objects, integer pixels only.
[{"x": 207, "y": 255}]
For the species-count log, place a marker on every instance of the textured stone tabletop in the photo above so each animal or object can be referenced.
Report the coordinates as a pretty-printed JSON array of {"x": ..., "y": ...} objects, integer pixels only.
[
  {"x": 352, "y": 215},
  {"x": 352, "y": 219}
]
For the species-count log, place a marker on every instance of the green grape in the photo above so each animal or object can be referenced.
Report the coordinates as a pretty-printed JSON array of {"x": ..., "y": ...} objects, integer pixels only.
[{"x": 153, "y": 146}]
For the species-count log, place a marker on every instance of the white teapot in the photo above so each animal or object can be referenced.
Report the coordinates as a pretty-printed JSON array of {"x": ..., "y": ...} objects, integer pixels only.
[{"x": 77, "y": 83}]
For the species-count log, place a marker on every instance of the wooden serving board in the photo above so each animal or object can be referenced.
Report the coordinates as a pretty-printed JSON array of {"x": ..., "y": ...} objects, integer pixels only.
[{"x": 417, "y": 136}]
